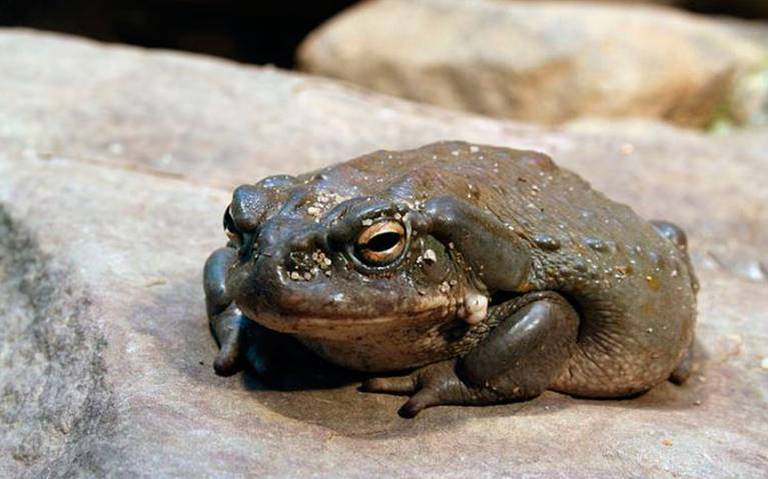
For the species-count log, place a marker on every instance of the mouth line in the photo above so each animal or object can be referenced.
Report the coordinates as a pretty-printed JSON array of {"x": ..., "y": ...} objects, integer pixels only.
[
  {"x": 363, "y": 320},
  {"x": 301, "y": 320}
]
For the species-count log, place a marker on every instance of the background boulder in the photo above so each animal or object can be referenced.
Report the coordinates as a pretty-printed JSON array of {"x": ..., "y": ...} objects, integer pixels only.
[{"x": 547, "y": 62}]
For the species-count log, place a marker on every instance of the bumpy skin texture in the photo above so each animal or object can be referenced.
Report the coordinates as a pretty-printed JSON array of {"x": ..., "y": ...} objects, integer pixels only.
[{"x": 514, "y": 277}]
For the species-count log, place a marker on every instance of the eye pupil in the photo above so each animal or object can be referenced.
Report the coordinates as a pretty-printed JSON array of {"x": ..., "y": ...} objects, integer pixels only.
[{"x": 383, "y": 241}]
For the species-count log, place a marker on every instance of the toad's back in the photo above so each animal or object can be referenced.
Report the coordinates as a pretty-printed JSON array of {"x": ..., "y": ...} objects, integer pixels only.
[{"x": 633, "y": 286}]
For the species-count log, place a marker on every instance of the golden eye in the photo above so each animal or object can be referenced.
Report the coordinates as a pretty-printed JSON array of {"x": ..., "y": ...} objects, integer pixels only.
[{"x": 381, "y": 243}]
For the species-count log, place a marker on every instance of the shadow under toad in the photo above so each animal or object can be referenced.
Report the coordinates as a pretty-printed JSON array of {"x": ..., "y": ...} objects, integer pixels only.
[
  {"x": 309, "y": 389},
  {"x": 323, "y": 394}
]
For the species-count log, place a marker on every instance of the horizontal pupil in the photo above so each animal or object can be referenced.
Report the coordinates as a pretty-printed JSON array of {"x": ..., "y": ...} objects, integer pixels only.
[{"x": 383, "y": 242}]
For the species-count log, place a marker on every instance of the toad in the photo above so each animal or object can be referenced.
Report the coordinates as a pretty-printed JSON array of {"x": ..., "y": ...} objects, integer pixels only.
[{"x": 487, "y": 274}]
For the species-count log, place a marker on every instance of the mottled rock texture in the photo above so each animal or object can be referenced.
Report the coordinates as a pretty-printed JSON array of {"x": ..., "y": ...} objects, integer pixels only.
[
  {"x": 546, "y": 61},
  {"x": 115, "y": 167}
]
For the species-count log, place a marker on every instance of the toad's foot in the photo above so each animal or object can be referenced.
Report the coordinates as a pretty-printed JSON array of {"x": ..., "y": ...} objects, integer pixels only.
[{"x": 433, "y": 385}]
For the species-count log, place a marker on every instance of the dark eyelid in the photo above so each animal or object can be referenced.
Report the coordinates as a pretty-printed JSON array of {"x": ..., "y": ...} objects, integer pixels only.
[{"x": 345, "y": 220}]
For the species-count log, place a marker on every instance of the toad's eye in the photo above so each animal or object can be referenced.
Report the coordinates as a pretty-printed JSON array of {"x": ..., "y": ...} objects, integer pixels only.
[
  {"x": 381, "y": 243},
  {"x": 229, "y": 227}
]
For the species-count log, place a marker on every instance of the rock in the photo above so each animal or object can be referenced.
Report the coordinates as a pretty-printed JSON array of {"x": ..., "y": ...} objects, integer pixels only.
[
  {"x": 115, "y": 166},
  {"x": 545, "y": 62}
]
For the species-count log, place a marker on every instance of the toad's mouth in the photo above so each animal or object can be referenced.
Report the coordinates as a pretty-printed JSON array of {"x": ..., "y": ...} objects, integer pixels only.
[{"x": 314, "y": 324}]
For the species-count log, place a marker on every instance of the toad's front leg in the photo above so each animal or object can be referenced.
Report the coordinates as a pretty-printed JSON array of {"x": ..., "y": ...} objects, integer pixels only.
[
  {"x": 518, "y": 360},
  {"x": 241, "y": 340}
]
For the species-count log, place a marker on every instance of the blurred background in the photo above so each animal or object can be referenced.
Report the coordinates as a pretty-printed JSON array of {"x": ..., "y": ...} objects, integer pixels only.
[
  {"x": 247, "y": 31},
  {"x": 694, "y": 63}
]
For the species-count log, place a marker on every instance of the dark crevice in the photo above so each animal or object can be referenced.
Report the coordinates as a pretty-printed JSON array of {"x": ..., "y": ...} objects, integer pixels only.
[
  {"x": 252, "y": 32},
  {"x": 500, "y": 297}
]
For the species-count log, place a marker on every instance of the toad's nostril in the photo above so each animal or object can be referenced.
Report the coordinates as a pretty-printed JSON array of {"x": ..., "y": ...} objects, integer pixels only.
[
  {"x": 308, "y": 254},
  {"x": 298, "y": 261},
  {"x": 303, "y": 266}
]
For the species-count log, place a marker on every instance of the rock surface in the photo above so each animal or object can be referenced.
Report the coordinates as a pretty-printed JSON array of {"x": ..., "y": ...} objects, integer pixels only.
[
  {"x": 115, "y": 166},
  {"x": 543, "y": 61}
]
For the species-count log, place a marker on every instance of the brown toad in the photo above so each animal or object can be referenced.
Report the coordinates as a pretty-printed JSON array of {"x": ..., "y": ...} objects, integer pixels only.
[{"x": 491, "y": 273}]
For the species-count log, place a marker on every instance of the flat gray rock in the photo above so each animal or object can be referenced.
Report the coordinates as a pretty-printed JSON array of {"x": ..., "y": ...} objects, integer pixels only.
[
  {"x": 547, "y": 61},
  {"x": 115, "y": 167}
]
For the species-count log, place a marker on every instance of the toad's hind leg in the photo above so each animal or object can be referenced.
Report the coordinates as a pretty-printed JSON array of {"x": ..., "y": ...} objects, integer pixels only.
[
  {"x": 529, "y": 348},
  {"x": 517, "y": 360},
  {"x": 673, "y": 233},
  {"x": 677, "y": 236},
  {"x": 683, "y": 370}
]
